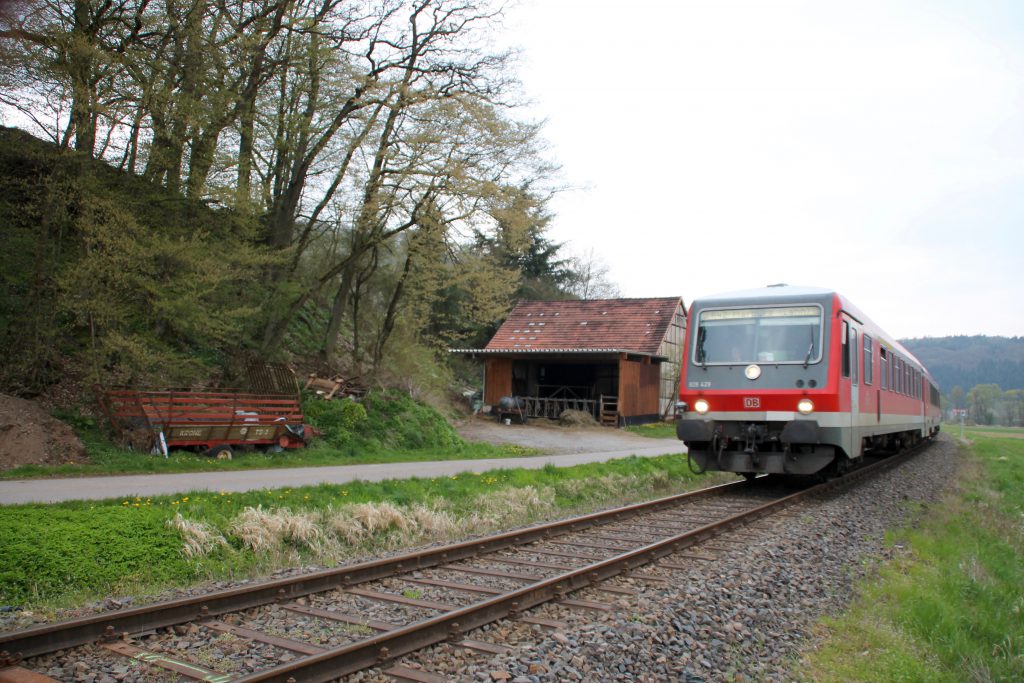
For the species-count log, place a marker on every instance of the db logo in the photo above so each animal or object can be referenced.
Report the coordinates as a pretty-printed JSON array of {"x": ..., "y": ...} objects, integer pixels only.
[{"x": 751, "y": 402}]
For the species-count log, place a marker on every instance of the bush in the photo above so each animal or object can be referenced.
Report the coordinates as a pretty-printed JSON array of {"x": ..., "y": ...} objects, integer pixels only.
[
  {"x": 336, "y": 420},
  {"x": 388, "y": 419},
  {"x": 397, "y": 421}
]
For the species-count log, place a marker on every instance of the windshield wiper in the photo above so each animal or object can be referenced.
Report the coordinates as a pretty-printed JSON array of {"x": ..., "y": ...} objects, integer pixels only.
[
  {"x": 702, "y": 356},
  {"x": 810, "y": 350}
]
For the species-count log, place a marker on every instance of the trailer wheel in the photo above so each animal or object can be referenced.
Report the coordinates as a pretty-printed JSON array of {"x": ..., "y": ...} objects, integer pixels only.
[{"x": 221, "y": 452}]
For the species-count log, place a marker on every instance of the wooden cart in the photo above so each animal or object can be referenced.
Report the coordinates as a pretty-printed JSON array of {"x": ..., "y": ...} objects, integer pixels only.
[{"x": 215, "y": 421}]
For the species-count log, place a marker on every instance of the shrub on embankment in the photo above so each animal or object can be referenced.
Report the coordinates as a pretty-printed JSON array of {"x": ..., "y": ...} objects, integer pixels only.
[{"x": 385, "y": 420}]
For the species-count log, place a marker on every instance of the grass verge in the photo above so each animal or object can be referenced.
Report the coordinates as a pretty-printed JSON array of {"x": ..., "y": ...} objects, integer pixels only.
[
  {"x": 950, "y": 607},
  {"x": 66, "y": 554},
  {"x": 655, "y": 430},
  {"x": 107, "y": 459}
]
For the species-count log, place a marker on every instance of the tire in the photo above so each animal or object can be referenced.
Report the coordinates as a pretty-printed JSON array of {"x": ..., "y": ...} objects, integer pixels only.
[{"x": 221, "y": 452}]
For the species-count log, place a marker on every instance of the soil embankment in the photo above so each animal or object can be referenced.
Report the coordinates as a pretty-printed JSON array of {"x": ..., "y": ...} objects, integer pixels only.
[{"x": 29, "y": 435}]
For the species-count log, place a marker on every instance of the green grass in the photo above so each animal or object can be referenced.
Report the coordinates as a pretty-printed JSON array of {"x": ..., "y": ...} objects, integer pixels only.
[
  {"x": 950, "y": 607},
  {"x": 60, "y": 555},
  {"x": 655, "y": 430},
  {"x": 107, "y": 459}
]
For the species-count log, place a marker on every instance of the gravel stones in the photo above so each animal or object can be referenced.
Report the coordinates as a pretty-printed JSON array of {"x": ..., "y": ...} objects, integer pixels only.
[{"x": 743, "y": 616}]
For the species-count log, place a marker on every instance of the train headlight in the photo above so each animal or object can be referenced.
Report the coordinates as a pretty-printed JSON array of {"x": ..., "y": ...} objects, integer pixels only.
[
  {"x": 752, "y": 371},
  {"x": 805, "y": 406},
  {"x": 701, "y": 406}
]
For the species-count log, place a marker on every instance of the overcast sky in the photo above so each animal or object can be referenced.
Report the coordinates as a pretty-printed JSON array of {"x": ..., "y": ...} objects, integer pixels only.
[{"x": 872, "y": 147}]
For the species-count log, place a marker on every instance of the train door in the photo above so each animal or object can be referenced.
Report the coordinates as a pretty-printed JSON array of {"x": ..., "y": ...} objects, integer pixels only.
[
  {"x": 851, "y": 366},
  {"x": 854, "y": 384}
]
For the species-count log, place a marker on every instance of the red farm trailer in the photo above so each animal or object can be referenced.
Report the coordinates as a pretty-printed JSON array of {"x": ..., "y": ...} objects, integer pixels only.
[{"x": 214, "y": 421}]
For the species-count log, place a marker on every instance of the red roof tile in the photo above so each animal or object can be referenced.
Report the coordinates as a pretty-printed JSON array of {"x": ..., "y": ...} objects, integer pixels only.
[{"x": 637, "y": 325}]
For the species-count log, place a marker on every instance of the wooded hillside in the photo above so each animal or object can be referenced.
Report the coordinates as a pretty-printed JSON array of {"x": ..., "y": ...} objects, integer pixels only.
[
  {"x": 965, "y": 361},
  {"x": 340, "y": 180}
]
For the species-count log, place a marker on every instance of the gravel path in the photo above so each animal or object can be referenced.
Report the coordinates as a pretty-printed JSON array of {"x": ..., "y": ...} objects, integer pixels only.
[
  {"x": 567, "y": 446},
  {"x": 548, "y": 436},
  {"x": 743, "y": 616}
]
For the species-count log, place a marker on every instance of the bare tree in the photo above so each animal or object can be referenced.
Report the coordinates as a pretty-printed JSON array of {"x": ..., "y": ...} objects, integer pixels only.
[{"x": 591, "y": 279}]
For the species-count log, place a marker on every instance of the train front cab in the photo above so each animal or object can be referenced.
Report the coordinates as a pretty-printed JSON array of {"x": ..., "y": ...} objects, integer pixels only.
[{"x": 778, "y": 404}]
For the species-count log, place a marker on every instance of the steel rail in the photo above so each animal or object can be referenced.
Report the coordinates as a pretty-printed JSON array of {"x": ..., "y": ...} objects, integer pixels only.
[
  {"x": 46, "y": 638},
  {"x": 380, "y": 649}
]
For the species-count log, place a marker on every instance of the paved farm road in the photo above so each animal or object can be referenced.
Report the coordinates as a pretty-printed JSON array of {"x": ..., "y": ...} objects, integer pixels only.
[{"x": 604, "y": 444}]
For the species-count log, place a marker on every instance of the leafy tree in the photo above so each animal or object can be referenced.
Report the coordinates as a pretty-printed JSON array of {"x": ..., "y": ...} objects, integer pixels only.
[
  {"x": 981, "y": 401},
  {"x": 519, "y": 243},
  {"x": 957, "y": 397},
  {"x": 379, "y": 187}
]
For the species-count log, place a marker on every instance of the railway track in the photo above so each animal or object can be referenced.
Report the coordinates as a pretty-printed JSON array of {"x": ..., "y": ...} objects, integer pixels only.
[{"x": 329, "y": 624}]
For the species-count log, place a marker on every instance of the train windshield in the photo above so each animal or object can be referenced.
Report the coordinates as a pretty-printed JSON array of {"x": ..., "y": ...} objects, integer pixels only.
[{"x": 780, "y": 334}]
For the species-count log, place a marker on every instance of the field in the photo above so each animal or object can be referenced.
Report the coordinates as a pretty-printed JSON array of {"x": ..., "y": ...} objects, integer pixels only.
[{"x": 950, "y": 607}]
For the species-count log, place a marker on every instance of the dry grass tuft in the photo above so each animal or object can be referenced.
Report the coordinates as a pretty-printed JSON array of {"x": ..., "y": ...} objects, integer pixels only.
[
  {"x": 571, "y": 488},
  {"x": 200, "y": 538},
  {"x": 302, "y": 529},
  {"x": 345, "y": 527},
  {"x": 433, "y": 521},
  {"x": 509, "y": 505},
  {"x": 268, "y": 530},
  {"x": 382, "y": 517},
  {"x": 259, "y": 530}
]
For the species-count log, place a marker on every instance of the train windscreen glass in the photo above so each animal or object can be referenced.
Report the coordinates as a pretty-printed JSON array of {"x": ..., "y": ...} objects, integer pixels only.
[{"x": 782, "y": 334}]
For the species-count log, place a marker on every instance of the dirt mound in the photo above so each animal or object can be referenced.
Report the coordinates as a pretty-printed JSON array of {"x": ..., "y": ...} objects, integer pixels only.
[{"x": 31, "y": 436}]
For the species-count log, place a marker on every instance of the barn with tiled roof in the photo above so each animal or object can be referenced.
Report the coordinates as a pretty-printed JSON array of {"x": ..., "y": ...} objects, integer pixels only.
[{"x": 615, "y": 358}]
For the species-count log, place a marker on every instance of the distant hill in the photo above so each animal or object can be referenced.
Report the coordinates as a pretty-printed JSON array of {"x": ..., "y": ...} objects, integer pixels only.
[{"x": 967, "y": 361}]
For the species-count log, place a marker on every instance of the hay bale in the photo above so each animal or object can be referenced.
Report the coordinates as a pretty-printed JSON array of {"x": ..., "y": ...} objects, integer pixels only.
[{"x": 576, "y": 418}]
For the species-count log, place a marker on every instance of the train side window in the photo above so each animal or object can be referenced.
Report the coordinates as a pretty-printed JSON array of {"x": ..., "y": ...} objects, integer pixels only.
[
  {"x": 898, "y": 379},
  {"x": 883, "y": 368},
  {"x": 845, "y": 355},
  {"x": 869, "y": 374}
]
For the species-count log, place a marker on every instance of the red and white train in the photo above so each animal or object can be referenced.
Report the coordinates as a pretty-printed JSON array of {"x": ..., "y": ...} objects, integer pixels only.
[{"x": 796, "y": 380}]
